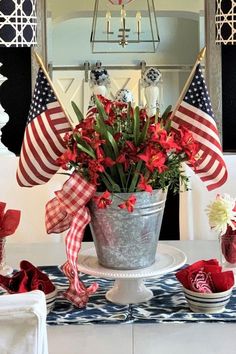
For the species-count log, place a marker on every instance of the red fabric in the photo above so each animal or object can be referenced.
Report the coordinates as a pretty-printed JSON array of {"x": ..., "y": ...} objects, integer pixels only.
[
  {"x": 206, "y": 277},
  {"x": 9, "y": 220},
  {"x": 27, "y": 279},
  {"x": 69, "y": 209}
]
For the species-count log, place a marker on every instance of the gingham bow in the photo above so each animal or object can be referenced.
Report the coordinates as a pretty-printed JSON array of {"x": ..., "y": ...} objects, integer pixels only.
[{"x": 68, "y": 210}]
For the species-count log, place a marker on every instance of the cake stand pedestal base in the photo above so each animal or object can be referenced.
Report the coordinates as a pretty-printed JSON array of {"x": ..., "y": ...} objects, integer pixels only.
[
  {"x": 129, "y": 287},
  {"x": 128, "y": 291}
]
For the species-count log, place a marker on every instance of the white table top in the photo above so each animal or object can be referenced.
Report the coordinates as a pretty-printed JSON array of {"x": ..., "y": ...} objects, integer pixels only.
[{"x": 166, "y": 338}]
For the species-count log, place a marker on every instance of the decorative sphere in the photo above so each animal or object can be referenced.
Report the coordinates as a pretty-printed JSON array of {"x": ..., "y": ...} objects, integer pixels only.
[
  {"x": 99, "y": 76},
  {"x": 124, "y": 95},
  {"x": 151, "y": 77}
]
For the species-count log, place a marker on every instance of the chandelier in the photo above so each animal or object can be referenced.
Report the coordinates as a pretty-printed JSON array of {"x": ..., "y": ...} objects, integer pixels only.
[{"x": 118, "y": 27}]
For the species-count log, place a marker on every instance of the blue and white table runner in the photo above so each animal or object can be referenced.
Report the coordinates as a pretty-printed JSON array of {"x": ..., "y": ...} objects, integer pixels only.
[{"x": 167, "y": 305}]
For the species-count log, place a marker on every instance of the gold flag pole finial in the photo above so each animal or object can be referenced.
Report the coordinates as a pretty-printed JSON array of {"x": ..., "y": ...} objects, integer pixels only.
[
  {"x": 41, "y": 64},
  {"x": 201, "y": 54}
]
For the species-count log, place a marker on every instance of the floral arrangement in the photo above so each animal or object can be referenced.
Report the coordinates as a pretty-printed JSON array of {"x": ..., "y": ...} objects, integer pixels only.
[
  {"x": 222, "y": 214},
  {"x": 120, "y": 149}
]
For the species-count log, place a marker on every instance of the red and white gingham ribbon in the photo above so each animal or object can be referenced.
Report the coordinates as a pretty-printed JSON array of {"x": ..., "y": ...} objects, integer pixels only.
[{"x": 68, "y": 210}]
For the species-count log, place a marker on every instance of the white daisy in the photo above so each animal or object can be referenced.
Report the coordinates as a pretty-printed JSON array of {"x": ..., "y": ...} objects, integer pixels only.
[{"x": 221, "y": 213}]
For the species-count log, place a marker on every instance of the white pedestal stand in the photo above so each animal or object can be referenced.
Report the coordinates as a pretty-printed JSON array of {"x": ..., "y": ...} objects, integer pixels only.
[
  {"x": 151, "y": 94},
  {"x": 129, "y": 287},
  {"x": 4, "y": 268}
]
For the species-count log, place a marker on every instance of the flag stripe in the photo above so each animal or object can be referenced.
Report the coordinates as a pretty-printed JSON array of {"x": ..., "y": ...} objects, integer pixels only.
[
  {"x": 207, "y": 131},
  {"x": 205, "y": 143},
  {"x": 203, "y": 137},
  {"x": 195, "y": 114},
  {"x": 202, "y": 118},
  {"x": 43, "y": 142}
]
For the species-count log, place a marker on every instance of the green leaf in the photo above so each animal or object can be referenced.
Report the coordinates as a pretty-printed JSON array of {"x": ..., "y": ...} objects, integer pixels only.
[
  {"x": 136, "y": 177},
  {"x": 166, "y": 112},
  {"x": 157, "y": 116},
  {"x": 136, "y": 125},
  {"x": 115, "y": 187},
  {"x": 128, "y": 122},
  {"x": 102, "y": 129},
  {"x": 84, "y": 146},
  {"x": 100, "y": 109},
  {"x": 144, "y": 132},
  {"x": 121, "y": 174},
  {"x": 86, "y": 150},
  {"x": 168, "y": 125},
  {"x": 77, "y": 111}
]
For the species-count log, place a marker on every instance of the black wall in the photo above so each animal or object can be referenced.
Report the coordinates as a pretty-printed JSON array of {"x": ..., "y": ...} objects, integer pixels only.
[
  {"x": 15, "y": 94},
  {"x": 229, "y": 97}
]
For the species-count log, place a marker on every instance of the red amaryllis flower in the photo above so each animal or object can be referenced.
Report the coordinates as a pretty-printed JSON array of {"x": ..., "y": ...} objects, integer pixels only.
[
  {"x": 154, "y": 159},
  {"x": 108, "y": 162},
  {"x": 123, "y": 159},
  {"x": 107, "y": 104},
  {"x": 128, "y": 155},
  {"x": 143, "y": 185},
  {"x": 165, "y": 140},
  {"x": 95, "y": 141},
  {"x": 96, "y": 165},
  {"x": 129, "y": 204},
  {"x": 103, "y": 200},
  {"x": 67, "y": 157},
  {"x": 189, "y": 145},
  {"x": 86, "y": 127},
  {"x": 117, "y": 136}
]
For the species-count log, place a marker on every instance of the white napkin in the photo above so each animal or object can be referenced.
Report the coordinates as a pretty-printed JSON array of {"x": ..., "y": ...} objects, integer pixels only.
[{"x": 23, "y": 323}]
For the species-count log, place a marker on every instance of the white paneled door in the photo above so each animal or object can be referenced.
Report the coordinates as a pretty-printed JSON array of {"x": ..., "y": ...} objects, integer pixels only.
[{"x": 72, "y": 86}]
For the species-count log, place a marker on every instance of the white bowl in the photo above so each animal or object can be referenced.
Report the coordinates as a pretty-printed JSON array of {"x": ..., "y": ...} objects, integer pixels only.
[
  {"x": 207, "y": 302},
  {"x": 50, "y": 299}
]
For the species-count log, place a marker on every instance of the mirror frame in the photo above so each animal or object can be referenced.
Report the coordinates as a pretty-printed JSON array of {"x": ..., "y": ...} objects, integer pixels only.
[{"x": 213, "y": 55}]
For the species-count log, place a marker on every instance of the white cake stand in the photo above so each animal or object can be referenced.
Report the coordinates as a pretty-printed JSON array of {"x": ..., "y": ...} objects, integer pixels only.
[{"x": 129, "y": 287}]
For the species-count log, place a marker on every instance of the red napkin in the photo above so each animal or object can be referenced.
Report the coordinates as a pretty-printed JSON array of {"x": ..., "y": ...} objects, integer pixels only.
[
  {"x": 9, "y": 220},
  {"x": 27, "y": 279},
  {"x": 205, "y": 277}
]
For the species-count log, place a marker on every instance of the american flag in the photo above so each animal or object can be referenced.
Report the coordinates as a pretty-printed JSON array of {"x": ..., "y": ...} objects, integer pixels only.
[
  {"x": 195, "y": 113},
  {"x": 43, "y": 139}
]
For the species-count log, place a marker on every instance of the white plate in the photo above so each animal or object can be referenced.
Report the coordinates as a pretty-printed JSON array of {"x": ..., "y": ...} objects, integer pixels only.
[{"x": 168, "y": 259}]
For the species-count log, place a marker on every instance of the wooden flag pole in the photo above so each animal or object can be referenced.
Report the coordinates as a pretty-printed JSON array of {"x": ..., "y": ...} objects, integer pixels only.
[
  {"x": 200, "y": 56},
  {"x": 41, "y": 64}
]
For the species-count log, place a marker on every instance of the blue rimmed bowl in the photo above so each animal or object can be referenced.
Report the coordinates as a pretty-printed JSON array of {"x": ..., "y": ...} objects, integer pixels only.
[
  {"x": 207, "y": 302},
  {"x": 50, "y": 300}
]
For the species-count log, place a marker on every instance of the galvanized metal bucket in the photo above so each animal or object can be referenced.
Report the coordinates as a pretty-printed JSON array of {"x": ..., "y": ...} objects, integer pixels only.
[{"x": 126, "y": 240}]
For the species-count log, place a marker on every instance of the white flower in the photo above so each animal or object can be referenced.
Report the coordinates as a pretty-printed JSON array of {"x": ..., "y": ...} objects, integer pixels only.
[{"x": 221, "y": 213}]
